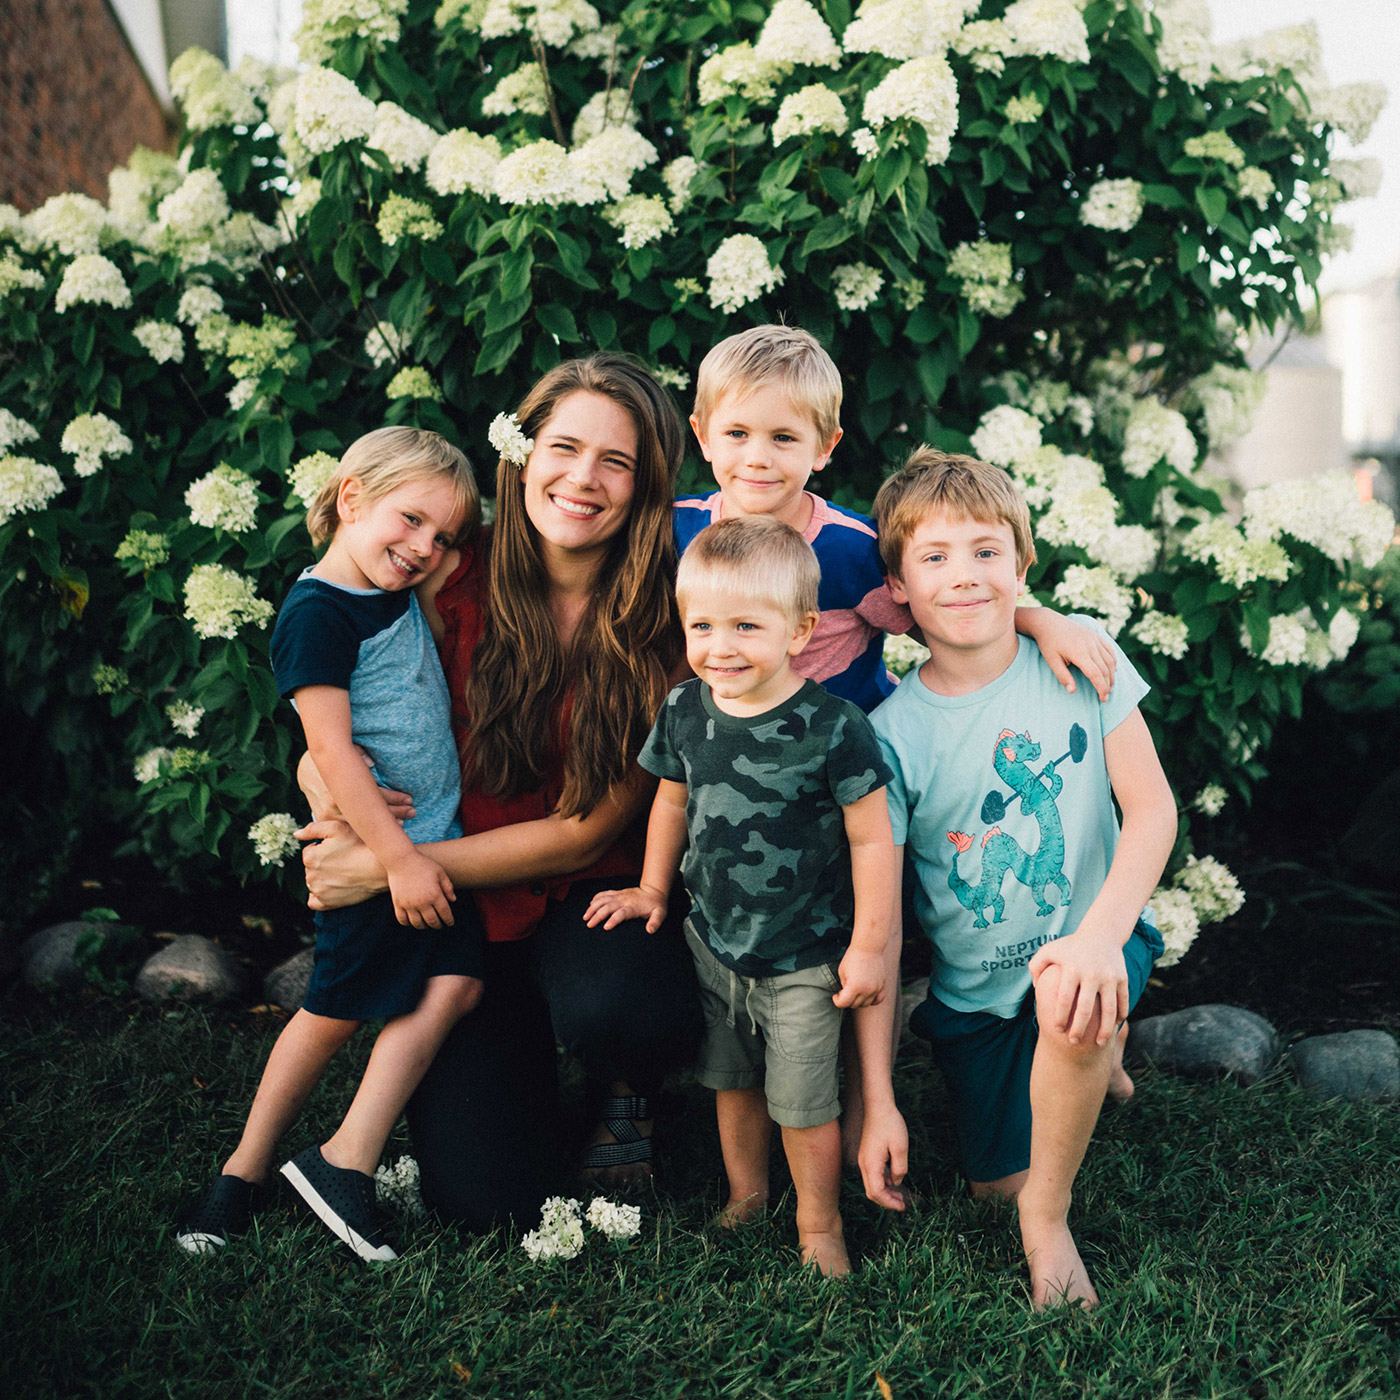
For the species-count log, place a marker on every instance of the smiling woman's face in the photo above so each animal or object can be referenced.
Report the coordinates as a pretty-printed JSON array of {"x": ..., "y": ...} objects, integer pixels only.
[{"x": 581, "y": 474}]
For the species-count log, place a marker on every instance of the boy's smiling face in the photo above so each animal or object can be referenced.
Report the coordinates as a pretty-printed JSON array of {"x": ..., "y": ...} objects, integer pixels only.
[
  {"x": 961, "y": 581},
  {"x": 763, "y": 447}
]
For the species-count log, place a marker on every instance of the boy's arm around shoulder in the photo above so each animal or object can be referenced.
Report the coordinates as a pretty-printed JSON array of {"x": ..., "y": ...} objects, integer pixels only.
[
  {"x": 1091, "y": 958},
  {"x": 1065, "y": 643}
]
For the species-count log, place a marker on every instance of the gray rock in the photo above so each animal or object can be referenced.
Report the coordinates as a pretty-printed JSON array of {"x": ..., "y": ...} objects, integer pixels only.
[
  {"x": 190, "y": 969},
  {"x": 285, "y": 985},
  {"x": 48, "y": 959},
  {"x": 1207, "y": 1040},
  {"x": 1349, "y": 1065}
]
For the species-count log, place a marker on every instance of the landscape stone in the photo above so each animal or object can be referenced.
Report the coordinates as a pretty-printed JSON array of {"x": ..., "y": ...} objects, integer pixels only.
[
  {"x": 1349, "y": 1065},
  {"x": 1207, "y": 1040},
  {"x": 48, "y": 959},
  {"x": 191, "y": 968},
  {"x": 285, "y": 985}
]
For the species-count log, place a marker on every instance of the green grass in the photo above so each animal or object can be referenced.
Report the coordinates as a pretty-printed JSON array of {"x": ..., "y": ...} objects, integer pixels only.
[{"x": 1246, "y": 1242}]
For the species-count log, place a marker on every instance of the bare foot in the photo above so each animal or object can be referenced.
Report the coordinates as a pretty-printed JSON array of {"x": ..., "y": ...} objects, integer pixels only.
[
  {"x": 1058, "y": 1275},
  {"x": 824, "y": 1251},
  {"x": 1120, "y": 1084},
  {"x": 741, "y": 1211}
]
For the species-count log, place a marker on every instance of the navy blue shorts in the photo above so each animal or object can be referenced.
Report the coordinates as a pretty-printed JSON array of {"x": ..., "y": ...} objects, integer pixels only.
[
  {"x": 368, "y": 965},
  {"x": 986, "y": 1062}
]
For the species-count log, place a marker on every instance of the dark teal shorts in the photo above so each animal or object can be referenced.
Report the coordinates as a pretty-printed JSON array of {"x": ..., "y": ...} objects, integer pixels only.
[{"x": 986, "y": 1062}]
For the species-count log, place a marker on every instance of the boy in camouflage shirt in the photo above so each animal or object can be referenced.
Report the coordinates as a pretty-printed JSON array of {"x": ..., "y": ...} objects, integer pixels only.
[{"x": 774, "y": 791}]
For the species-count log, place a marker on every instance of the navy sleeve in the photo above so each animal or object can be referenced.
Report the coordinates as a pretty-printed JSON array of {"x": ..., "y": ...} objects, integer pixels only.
[{"x": 314, "y": 642}]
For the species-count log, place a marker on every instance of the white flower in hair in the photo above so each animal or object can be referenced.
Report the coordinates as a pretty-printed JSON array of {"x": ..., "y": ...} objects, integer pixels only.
[{"x": 505, "y": 436}]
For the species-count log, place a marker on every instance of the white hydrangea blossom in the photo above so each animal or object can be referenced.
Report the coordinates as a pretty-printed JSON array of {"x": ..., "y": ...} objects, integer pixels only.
[
  {"x": 212, "y": 96},
  {"x": 134, "y": 189},
  {"x": 307, "y": 197},
  {"x": 325, "y": 23},
  {"x": 1325, "y": 512},
  {"x": 13, "y": 273},
  {"x": 911, "y": 292},
  {"x": 670, "y": 378},
  {"x": 807, "y": 111},
  {"x": 146, "y": 769},
  {"x": 25, "y": 485},
  {"x": 678, "y": 176},
  {"x": 560, "y": 1235},
  {"x": 795, "y": 33},
  {"x": 552, "y": 22},
  {"x": 1255, "y": 184},
  {"x": 1048, "y": 29},
  {"x": 261, "y": 77},
  {"x": 197, "y": 208},
  {"x": 243, "y": 392},
  {"x": 218, "y": 601},
  {"x": 740, "y": 272},
  {"x": 903, "y": 29},
  {"x": 865, "y": 143},
  {"x": 1185, "y": 46},
  {"x": 272, "y": 837},
  {"x": 986, "y": 44},
  {"x": 252, "y": 350},
  {"x": 462, "y": 161},
  {"x": 856, "y": 285},
  {"x": 1296, "y": 47},
  {"x": 985, "y": 275},
  {"x": 1210, "y": 799},
  {"x": 1359, "y": 179},
  {"x": 1342, "y": 633},
  {"x": 617, "y": 1222},
  {"x": 1215, "y": 145},
  {"x": 1022, "y": 111},
  {"x": 1177, "y": 922},
  {"x": 94, "y": 279},
  {"x": 1352, "y": 108},
  {"x": 224, "y": 499},
  {"x": 1228, "y": 398},
  {"x": 536, "y": 173},
  {"x": 198, "y": 303},
  {"x": 162, "y": 341},
  {"x": 184, "y": 718},
  {"x": 385, "y": 342},
  {"x": 737, "y": 69},
  {"x": 14, "y": 430},
  {"x": 330, "y": 110},
  {"x": 1287, "y": 644},
  {"x": 524, "y": 90},
  {"x": 1214, "y": 892},
  {"x": 1085, "y": 516},
  {"x": 310, "y": 474},
  {"x": 921, "y": 90},
  {"x": 1006, "y": 435},
  {"x": 68, "y": 224},
  {"x": 1045, "y": 473},
  {"x": 90, "y": 437},
  {"x": 1162, "y": 633},
  {"x": 602, "y": 168},
  {"x": 413, "y": 382},
  {"x": 1096, "y": 590},
  {"x": 640, "y": 219},
  {"x": 602, "y": 45},
  {"x": 610, "y": 107},
  {"x": 510, "y": 442},
  {"x": 902, "y": 653},
  {"x": 401, "y": 136},
  {"x": 1156, "y": 432},
  {"x": 1237, "y": 561},
  {"x": 402, "y": 218},
  {"x": 1112, "y": 204},
  {"x": 400, "y": 1188}
]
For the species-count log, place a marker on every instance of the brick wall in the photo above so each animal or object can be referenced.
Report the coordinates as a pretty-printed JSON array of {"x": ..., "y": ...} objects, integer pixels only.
[{"x": 73, "y": 100}]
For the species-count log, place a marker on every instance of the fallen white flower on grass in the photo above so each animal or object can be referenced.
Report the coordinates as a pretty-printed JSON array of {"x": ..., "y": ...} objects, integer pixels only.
[
  {"x": 617, "y": 1222},
  {"x": 399, "y": 1187},
  {"x": 560, "y": 1235}
]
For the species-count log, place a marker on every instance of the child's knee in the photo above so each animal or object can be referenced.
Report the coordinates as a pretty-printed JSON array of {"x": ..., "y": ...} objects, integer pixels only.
[
  {"x": 462, "y": 997},
  {"x": 1055, "y": 1038}
]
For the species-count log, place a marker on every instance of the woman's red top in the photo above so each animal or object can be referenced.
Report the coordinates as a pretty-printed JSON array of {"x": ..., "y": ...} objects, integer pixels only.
[{"x": 511, "y": 911}]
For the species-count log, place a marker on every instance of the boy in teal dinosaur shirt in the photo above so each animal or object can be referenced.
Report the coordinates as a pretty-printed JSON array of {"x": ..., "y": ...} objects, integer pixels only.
[{"x": 1003, "y": 798}]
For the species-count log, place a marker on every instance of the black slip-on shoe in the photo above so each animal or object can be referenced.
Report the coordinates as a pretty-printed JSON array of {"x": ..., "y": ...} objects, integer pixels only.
[
  {"x": 225, "y": 1209},
  {"x": 343, "y": 1201}
]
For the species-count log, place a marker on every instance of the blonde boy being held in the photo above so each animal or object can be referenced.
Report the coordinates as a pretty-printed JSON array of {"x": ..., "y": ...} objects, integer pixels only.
[
  {"x": 773, "y": 790},
  {"x": 1002, "y": 797}
]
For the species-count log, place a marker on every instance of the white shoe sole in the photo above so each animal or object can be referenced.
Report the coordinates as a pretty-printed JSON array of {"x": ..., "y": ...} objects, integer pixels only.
[
  {"x": 374, "y": 1253},
  {"x": 197, "y": 1242}
]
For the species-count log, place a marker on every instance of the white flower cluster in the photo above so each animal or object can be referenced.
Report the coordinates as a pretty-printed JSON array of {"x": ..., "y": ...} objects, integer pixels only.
[
  {"x": 921, "y": 90},
  {"x": 617, "y": 1222},
  {"x": 560, "y": 1235},
  {"x": 13, "y": 273},
  {"x": 1006, "y": 435},
  {"x": 1156, "y": 433},
  {"x": 147, "y": 767},
  {"x": 326, "y": 23},
  {"x": 462, "y": 161},
  {"x": 1023, "y": 111},
  {"x": 14, "y": 430},
  {"x": 413, "y": 382},
  {"x": 219, "y": 601},
  {"x": 402, "y": 137},
  {"x": 161, "y": 341},
  {"x": 147, "y": 548},
  {"x": 1325, "y": 512},
  {"x": 678, "y": 176},
  {"x": 1048, "y": 29},
  {"x": 210, "y": 94},
  {"x": 670, "y": 378},
  {"x": 109, "y": 680},
  {"x": 1342, "y": 633},
  {"x": 402, "y": 218},
  {"x": 524, "y": 90},
  {"x": 197, "y": 304},
  {"x": 795, "y": 33},
  {"x": 1214, "y": 892},
  {"x": 90, "y": 437},
  {"x": 1210, "y": 799},
  {"x": 67, "y": 223},
  {"x": 602, "y": 168},
  {"x": 1112, "y": 204},
  {"x": 807, "y": 111},
  {"x": 330, "y": 111},
  {"x": 902, "y": 653},
  {"x": 535, "y": 173},
  {"x": 610, "y": 107},
  {"x": 737, "y": 70},
  {"x": 1359, "y": 179},
  {"x": 739, "y": 272},
  {"x": 640, "y": 219},
  {"x": 1255, "y": 184},
  {"x": 1096, "y": 590},
  {"x": 1352, "y": 108},
  {"x": 400, "y": 1188},
  {"x": 1185, "y": 47},
  {"x": 310, "y": 474},
  {"x": 1162, "y": 633},
  {"x": 1228, "y": 399},
  {"x": 986, "y": 44},
  {"x": 1287, "y": 644},
  {"x": 856, "y": 285},
  {"x": 505, "y": 436},
  {"x": 25, "y": 485},
  {"x": 94, "y": 279},
  {"x": 134, "y": 189},
  {"x": 196, "y": 208},
  {"x": 184, "y": 718},
  {"x": 271, "y": 835},
  {"x": 1295, "y": 47},
  {"x": 1214, "y": 145},
  {"x": 385, "y": 342},
  {"x": 1237, "y": 561},
  {"x": 904, "y": 29},
  {"x": 985, "y": 274},
  {"x": 252, "y": 350},
  {"x": 224, "y": 499},
  {"x": 552, "y": 22},
  {"x": 1085, "y": 516},
  {"x": 1177, "y": 922}
]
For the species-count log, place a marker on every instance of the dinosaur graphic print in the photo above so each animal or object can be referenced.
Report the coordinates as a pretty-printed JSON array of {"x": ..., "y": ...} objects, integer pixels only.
[{"x": 1040, "y": 869}]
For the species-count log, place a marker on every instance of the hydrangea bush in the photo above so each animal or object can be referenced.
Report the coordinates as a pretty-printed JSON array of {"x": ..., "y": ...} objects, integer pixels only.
[{"x": 1039, "y": 230}]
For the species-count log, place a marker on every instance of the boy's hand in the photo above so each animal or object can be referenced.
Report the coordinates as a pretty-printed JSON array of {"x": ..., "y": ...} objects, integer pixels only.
[
  {"x": 1093, "y": 977},
  {"x": 884, "y": 1157},
  {"x": 862, "y": 979},
  {"x": 613, "y": 907},
  {"x": 421, "y": 892},
  {"x": 1064, "y": 644}
]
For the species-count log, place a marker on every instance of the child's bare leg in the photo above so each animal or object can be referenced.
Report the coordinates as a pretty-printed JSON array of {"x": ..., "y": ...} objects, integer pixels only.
[
  {"x": 402, "y": 1053},
  {"x": 745, "y": 1130},
  {"x": 1120, "y": 1083},
  {"x": 294, "y": 1068},
  {"x": 814, "y": 1159},
  {"x": 1067, "y": 1090}
]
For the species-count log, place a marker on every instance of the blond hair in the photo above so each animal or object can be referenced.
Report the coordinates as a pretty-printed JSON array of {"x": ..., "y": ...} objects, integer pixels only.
[
  {"x": 755, "y": 557},
  {"x": 386, "y": 459},
  {"x": 762, "y": 355},
  {"x": 961, "y": 487}
]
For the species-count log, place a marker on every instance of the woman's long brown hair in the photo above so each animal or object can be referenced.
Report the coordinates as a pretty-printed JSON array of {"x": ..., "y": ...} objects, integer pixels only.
[{"x": 629, "y": 636}]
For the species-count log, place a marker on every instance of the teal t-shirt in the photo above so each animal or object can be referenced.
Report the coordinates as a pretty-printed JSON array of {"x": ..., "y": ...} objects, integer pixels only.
[
  {"x": 1002, "y": 801},
  {"x": 767, "y": 866}
]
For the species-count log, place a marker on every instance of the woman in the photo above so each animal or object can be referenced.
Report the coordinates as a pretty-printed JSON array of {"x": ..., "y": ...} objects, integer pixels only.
[{"x": 559, "y": 642}]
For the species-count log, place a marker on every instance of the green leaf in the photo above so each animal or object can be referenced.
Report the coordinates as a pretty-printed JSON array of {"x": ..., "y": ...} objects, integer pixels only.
[
  {"x": 830, "y": 233},
  {"x": 262, "y": 690},
  {"x": 558, "y": 321},
  {"x": 515, "y": 276},
  {"x": 1211, "y": 201},
  {"x": 496, "y": 350},
  {"x": 662, "y": 329},
  {"x": 1165, "y": 196},
  {"x": 602, "y": 326},
  {"x": 891, "y": 170}
]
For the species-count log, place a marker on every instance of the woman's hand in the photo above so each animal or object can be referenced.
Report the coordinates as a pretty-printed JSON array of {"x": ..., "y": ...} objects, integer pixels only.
[
  {"x": 323, "y": 808},
  {"x": 340, "y": 869}
]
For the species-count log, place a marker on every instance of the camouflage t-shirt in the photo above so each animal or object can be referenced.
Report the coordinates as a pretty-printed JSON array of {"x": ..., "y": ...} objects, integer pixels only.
[{"x": 768, "y": 867}]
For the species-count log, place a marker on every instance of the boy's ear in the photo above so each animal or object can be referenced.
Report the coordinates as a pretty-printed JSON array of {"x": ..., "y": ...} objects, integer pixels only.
[
  {"x": 827, "y": 451},
  {"x": 898, "y": 592},
  {"x": 347, "y": 498},
  {"x": 698, "y": 428},
  {"x": 803, "y": 634}
]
